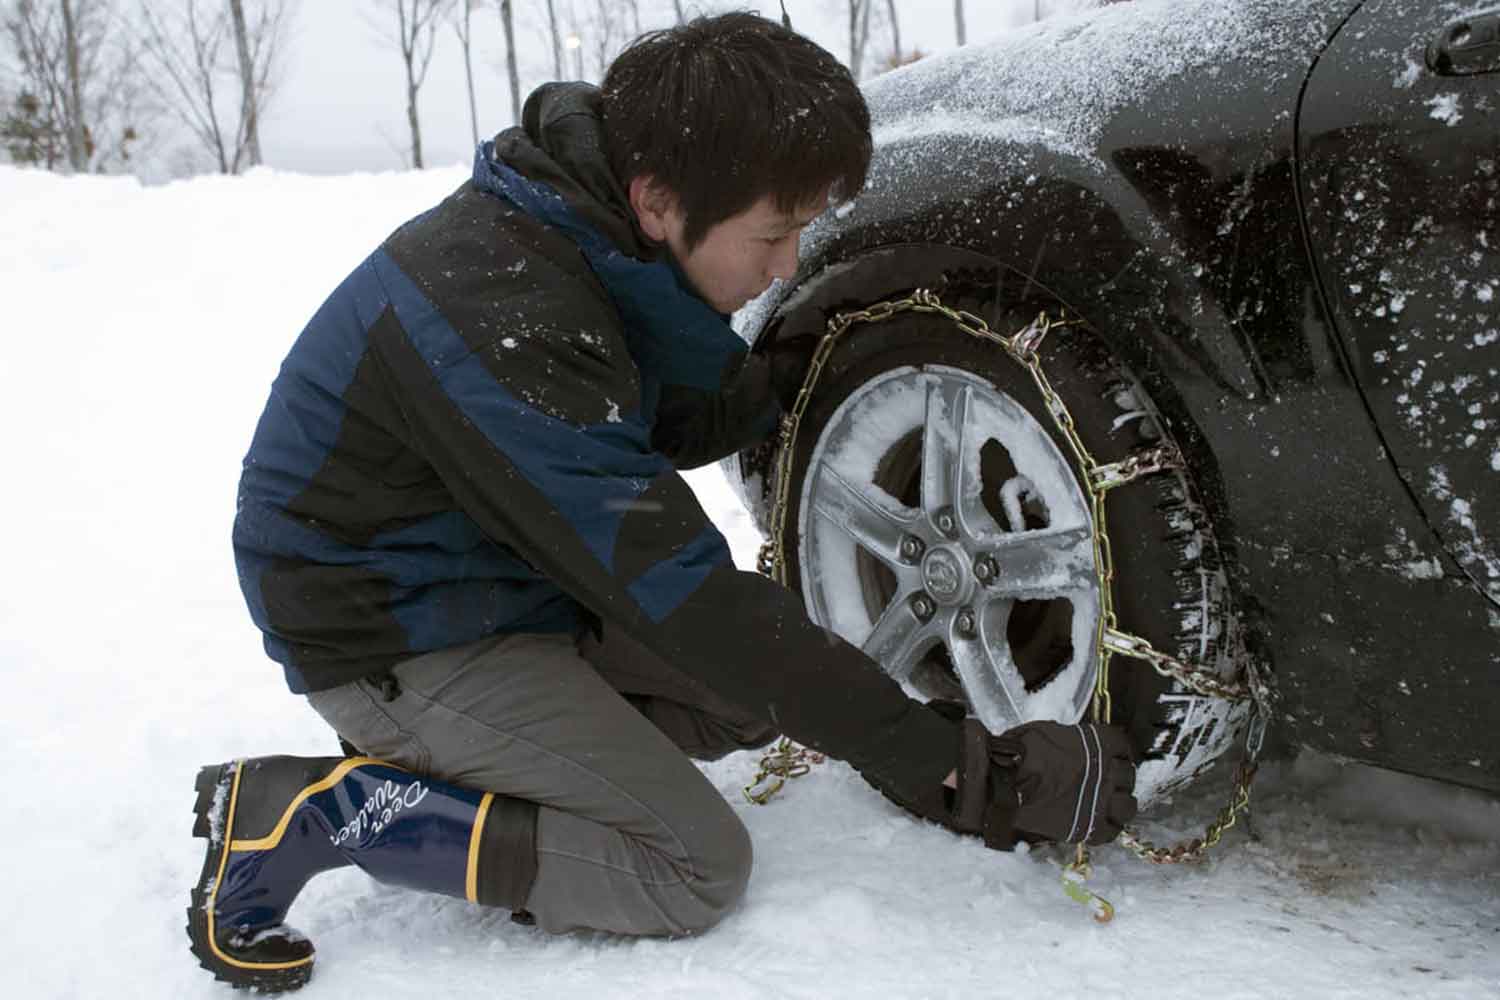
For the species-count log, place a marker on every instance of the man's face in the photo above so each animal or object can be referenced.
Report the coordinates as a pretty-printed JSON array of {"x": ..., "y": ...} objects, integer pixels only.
[{"x": 738, "y": 258}]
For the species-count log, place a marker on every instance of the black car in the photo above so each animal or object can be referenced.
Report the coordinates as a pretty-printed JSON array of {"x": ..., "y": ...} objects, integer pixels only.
[{"x": 1269, "y": 233}]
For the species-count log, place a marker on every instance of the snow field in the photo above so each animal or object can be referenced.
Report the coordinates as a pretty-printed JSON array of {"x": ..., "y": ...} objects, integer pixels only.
[{"x": 144, "y": 327}]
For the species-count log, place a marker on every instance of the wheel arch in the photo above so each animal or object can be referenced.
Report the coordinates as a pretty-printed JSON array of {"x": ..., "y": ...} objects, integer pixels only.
[{"x": 997, "y": 218}]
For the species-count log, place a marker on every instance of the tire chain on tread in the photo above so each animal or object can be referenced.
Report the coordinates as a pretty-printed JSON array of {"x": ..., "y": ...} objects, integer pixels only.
[{"x": 786, "y": 760}]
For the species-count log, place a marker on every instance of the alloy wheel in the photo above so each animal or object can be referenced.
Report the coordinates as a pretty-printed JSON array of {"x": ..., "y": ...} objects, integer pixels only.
[{"x": 944, "y": 532}]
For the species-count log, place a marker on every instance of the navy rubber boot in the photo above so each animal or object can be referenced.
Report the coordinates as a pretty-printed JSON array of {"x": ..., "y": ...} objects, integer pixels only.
[{"x": 272, "y": 823}]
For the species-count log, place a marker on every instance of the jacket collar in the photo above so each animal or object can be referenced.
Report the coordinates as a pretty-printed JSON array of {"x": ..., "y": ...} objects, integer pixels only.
[{"x": 560, "y": 176}]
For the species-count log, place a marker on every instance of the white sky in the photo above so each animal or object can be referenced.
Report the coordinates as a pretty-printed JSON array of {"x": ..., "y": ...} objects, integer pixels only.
[{"x": 341, "y": 105}]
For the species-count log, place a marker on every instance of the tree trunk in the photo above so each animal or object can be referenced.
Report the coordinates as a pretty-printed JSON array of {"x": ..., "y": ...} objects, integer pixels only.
[
  {"x": 557, "y": 63},
  {"x": 854, "y": 37},
  {"x": 958, "y": 20},
  {"x": 416, "y": 130},
  {"x": 895, "y": 32},
  {"x": 859, "y": 32},
  {"x": 864, "y": 35},
  {"x": 249, "y": 113},
  {"x": 473, "y": 107},
  {"x": 508, "y": 22},
  {"x": 78, "y": 152},
  {"x": 678, "y": 5},
  {"x": 469, "y": 72}
]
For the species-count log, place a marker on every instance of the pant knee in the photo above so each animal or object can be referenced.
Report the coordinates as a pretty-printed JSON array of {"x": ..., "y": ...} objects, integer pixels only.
[{"x": 718, "y": 872}]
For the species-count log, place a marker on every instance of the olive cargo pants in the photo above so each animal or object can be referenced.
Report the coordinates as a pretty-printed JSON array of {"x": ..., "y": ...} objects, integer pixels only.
[{"x": 631, "y": 837}]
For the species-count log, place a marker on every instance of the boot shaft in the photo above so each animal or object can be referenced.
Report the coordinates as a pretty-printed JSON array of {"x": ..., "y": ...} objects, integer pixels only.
[{"x": 402, "y": 828}]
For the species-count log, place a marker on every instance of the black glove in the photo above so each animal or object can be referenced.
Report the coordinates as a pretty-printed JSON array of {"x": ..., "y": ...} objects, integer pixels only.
[
  {"x": 1044, "y": 781},
  {"x": 788, "y": 359}
]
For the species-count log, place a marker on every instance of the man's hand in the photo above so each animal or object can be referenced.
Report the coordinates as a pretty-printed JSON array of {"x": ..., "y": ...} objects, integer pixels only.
[
  {"x": 1074, "y": 784},
  {"x": 1045, "y": 781}
]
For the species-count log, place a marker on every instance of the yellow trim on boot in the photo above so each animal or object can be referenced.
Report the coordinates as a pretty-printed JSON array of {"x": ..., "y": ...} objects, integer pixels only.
[
  {"x": 334, "y": 777},
  {"x": 471, "y": 882},
  {"x": 213, "y": 894}
]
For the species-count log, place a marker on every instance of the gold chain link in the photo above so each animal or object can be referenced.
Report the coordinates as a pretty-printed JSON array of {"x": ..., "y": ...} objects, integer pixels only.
[
  {"x": 785, "y": 759},
  {"x": 781, "y": 762}
]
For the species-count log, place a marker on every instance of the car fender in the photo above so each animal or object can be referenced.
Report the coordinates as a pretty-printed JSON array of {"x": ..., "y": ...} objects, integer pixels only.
[{"x": 1038, "y": 222}]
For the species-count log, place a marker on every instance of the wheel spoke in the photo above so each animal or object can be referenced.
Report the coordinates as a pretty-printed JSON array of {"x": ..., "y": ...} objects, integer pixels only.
[
  {"x": 899, "y": 639},
  {"x": 876, "y": 524},
  {"x": 991, "y": 680},
  {"x": 944, "y": 437},
  {"x": 1042, "y": 564},
  {"x": 1011, "y": 492}
]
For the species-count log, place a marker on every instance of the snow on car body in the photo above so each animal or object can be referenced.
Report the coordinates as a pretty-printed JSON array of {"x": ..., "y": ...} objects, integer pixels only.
[{"x": 1279, "y": 221}]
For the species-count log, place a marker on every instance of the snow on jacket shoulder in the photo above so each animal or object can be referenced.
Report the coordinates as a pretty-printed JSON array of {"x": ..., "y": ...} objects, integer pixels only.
[{"x": 461, "y": 443}]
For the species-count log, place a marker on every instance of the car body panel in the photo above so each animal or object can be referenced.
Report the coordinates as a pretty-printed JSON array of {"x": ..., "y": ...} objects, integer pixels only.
[
  {"x": 1400, "y": 174},
  {"x": 1153, "y": 190}
]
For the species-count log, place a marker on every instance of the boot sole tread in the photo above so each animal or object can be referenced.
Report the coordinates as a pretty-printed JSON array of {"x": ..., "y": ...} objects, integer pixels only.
[{"x": 210, "y": 779}]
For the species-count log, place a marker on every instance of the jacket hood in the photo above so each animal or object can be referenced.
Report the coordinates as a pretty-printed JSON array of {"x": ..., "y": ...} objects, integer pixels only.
[{"x": 560, "y": 142}]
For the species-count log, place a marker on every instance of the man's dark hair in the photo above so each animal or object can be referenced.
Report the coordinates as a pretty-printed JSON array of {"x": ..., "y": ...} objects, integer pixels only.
[{"x": 726, "y": 110}]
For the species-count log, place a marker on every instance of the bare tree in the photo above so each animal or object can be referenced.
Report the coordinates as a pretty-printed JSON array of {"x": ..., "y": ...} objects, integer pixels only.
[
  {"x": 677, "y": 5},
  {"x": 557, "y": 59},
  {"x": 859, "y": 34},
  {"x": 507, "y": 21},
  {"x": 603, "y": 26},
  {"x": 597, "y": 29},
  {"x": 217, "y": 94},
  {"x": 895, "y": 32},
  {"x": 73, "y": 92},
  {"x": 248, "y": 110},
  {"x": 958, "y": 21},
  {"x": 417, "y": 23},
  {"x": 77, "y": 100},
  {"x": 463, "y": 27},
  {"x": 185, "y": 50},
  {"x": 257, "y": 45}
]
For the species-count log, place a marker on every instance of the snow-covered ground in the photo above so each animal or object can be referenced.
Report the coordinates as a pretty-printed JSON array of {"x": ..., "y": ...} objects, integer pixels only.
[{"x": 142, "y": 330}]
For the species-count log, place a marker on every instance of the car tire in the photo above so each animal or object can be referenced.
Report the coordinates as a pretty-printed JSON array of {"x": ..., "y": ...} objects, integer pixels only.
[{"x": 1024, "y": 652}]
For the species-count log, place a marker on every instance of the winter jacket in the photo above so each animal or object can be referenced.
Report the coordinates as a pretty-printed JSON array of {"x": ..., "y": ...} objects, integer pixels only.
[{"x": 479, "y": 433}]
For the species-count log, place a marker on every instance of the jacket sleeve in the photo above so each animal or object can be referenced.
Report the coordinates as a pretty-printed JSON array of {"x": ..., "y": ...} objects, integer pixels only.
[
  {"x": 694, "y": 427},
  {"x": 540, "y": 442}
]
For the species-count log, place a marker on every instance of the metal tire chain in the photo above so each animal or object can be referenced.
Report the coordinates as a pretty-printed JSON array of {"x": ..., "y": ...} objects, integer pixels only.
[{"x": 786, "y": 760}]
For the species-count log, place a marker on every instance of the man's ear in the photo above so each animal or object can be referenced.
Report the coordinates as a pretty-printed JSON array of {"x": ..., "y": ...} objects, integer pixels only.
[{"x": 653, "y": 204}]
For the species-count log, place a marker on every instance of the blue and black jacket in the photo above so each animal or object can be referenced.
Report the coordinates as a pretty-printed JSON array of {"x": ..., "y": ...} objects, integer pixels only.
[{"x": 479, "y": 432}]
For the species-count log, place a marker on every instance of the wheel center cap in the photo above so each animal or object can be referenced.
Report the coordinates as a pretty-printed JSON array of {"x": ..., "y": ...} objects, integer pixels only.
[{"x": 945, "y": 575}]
